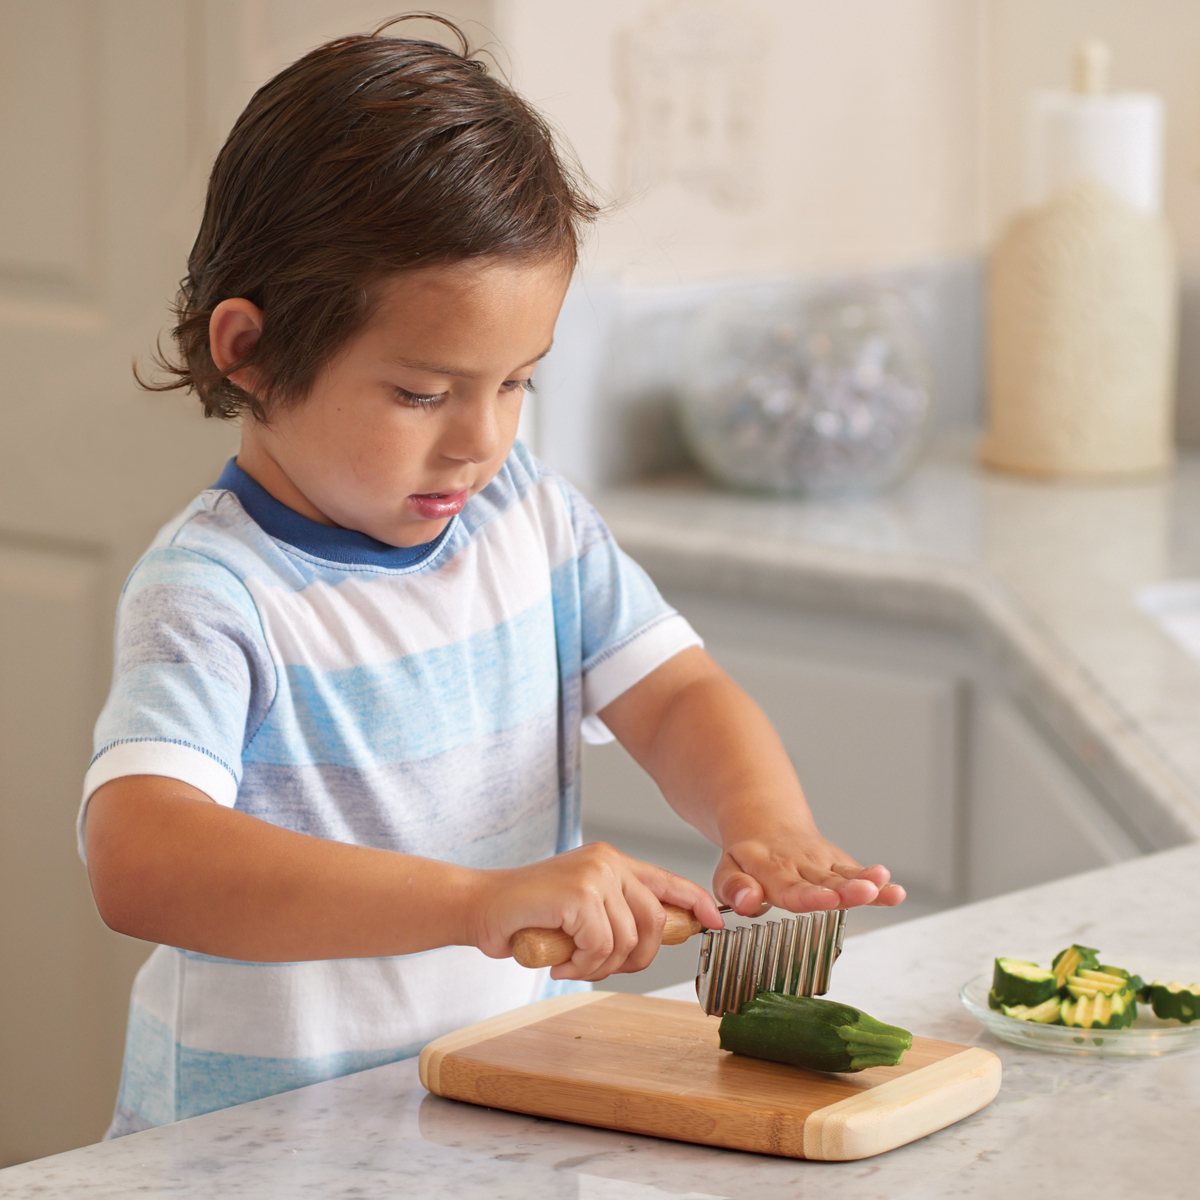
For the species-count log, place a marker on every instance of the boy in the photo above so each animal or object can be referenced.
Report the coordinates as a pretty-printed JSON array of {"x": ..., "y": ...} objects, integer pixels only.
[{"x": 338, "y": 767}]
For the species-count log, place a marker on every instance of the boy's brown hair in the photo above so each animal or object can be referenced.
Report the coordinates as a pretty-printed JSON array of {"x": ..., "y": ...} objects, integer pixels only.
[{"x": 368, "y": 156}]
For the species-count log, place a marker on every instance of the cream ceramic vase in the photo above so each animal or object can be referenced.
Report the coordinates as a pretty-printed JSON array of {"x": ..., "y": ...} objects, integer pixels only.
[
  {"x": 1082, "y": 316},
  {"x": 1082, "y": 295}
]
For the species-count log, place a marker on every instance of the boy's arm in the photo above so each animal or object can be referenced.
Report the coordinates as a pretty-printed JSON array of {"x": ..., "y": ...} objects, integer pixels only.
[
  {"x": 168, "y": 864},
  {"x": 721, "y": 766}
]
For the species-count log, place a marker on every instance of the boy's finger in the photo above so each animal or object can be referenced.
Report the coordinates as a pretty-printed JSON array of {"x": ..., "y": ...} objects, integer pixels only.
[
  {"x": 683, "y": 893},
  {"x": 889, "y": 895},
  {"x": 792, "y": 888},
  {"x": 853, "y": 892},
  {"x": 625, "y": 935},
  {"x": 809, "y": 897},
  {"x": 877, "y": 874},
  {"x": 849, "y": 869},
  {"x": 595, "y": 939},
  {"x": 742, "y": 892},
  {"x": 648, "y": 913}
]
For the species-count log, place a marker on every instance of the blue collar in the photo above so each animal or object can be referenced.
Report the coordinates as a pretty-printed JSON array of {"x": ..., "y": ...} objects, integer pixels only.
[{"x": 329, "y": 542}]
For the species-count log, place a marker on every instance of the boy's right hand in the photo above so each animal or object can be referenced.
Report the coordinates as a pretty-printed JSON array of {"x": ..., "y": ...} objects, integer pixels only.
[{"x": 609, "y": 904}]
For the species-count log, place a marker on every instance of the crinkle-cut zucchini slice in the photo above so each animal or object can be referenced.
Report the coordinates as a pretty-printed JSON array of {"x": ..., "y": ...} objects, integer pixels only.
[
  {"x": 1133, "y": 982},
  {"x": 1049, "y": 1012},
  {"x": 1015, "y": 981},
  {"x": 1073, "y": 959},
  {"x": 1178, "y": 1001},
  {"x": 1101, "y": 1011},
  {"x": 1091, "y": 983}
]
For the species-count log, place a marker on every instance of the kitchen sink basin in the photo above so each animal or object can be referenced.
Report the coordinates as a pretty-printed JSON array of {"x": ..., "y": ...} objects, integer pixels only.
[{"x": 1175, "y": 606}]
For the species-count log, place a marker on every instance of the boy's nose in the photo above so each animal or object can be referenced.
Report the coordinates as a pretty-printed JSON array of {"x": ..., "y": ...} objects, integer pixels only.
[{"x": 477, "y": 434}]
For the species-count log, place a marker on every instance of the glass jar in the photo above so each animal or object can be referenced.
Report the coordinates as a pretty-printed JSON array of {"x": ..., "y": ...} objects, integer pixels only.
[{"x": 820, "y": 394}]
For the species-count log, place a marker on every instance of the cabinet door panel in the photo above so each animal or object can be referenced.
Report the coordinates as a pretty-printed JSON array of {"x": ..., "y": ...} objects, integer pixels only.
[
  {"x": 876, "y": 751},
  {"x": 876, "y": 754},
  {"x": 1031, "y": 818}
]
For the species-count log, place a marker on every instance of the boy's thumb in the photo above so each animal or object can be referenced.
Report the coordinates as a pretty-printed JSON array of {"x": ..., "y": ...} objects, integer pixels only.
[{"x": 732, "y": 886}]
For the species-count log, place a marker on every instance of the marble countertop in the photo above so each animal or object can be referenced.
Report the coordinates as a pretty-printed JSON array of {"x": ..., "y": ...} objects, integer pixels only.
[
  {"x": 1126, "y": 1123},
  {"x": 1047, "y": 576}
]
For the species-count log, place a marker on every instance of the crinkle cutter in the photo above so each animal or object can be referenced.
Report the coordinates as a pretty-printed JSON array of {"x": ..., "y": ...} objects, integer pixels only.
[{"x": 792, "y": 954}]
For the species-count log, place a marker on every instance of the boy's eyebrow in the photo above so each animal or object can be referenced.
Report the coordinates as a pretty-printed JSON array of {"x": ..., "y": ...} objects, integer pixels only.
[{"x": 440, "y": 369}]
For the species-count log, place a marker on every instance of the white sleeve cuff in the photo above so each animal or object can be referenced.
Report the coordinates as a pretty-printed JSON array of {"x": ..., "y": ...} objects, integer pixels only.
[
  {"x": 149, "y": 757},
  {"x": 616, "y": 672}
]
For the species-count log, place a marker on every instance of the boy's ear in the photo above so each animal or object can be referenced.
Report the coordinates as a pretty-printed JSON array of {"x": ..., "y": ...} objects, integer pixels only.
[{"x": 233, "y": 331}]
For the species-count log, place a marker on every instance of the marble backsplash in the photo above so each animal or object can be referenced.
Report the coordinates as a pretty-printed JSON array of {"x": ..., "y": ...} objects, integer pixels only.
[{"x": 603, "y": 413}]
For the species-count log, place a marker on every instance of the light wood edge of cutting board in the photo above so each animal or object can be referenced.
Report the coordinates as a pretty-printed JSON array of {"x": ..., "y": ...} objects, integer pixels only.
[
  {"x": 430, "y": 1062},
  {"x": 904, "y": 1109}
]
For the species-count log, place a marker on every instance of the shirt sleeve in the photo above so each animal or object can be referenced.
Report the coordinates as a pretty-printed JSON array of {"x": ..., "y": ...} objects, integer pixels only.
[
  {"x": 193, "y": 678},
  {"x": 626, "y": 626}
]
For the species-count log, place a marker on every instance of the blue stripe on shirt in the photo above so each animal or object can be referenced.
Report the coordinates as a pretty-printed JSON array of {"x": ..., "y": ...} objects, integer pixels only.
[{"x": 494, "y": 680}]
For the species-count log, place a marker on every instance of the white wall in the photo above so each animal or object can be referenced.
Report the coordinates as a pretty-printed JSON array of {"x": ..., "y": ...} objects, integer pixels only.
[
  {"x": 875, "y": 133},
  {"x": 856, "y": 144}
]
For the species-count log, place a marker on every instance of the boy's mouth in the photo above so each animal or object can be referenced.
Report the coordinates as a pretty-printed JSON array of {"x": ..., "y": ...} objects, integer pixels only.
[{"x": 437, "y": 505}]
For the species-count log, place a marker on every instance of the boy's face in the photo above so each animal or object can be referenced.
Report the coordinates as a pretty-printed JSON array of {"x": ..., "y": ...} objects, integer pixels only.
[{"x": 419, "y": 410}]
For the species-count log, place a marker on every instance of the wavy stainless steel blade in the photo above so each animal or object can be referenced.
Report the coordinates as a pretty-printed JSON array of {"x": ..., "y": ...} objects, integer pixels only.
[{"x": 793, "y": 955}]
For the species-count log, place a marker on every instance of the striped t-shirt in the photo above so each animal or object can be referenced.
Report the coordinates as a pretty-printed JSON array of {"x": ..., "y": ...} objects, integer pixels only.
[{"x": 428, "y": 700}]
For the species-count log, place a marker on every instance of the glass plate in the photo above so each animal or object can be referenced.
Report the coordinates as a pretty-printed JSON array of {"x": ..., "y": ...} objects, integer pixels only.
[{"x": 1147, "y": 1037}]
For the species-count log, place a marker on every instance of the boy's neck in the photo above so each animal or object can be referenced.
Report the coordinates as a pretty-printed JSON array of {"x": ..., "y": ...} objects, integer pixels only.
[{"x": 254, "y": 458}]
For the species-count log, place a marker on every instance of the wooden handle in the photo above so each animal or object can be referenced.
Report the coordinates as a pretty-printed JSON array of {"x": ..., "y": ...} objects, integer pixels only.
[{"x": 549, "y": 947}]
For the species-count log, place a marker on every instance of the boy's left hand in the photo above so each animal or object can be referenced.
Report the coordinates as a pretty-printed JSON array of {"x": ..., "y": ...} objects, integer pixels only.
[
  {"x": 798, "y": 870},
  {"x": 723, "y": 768}
]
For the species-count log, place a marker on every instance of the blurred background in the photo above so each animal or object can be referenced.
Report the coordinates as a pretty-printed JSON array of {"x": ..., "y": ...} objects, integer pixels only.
[{"x": 867, "y": 139}]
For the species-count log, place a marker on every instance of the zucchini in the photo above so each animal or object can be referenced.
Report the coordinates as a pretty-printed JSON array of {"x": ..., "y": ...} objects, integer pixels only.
[
  {"x": 1049, "y": 1012},
  {"x": 1093, "y": 983},
  {"x": 804, "y": 1031},
  {"x": 1017, "y": 982},
  {"x": 1135, "y": 983},
  {"x": 1178, "y": 1001},
  {"x": 1085, "y": 993},
  {"x": 1101, "y": 1011},
  {"x": 1067, "y": 962}
]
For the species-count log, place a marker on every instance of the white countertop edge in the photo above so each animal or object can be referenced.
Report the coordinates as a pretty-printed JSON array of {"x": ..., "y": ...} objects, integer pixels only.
[{"x": 1048, "y": 678}]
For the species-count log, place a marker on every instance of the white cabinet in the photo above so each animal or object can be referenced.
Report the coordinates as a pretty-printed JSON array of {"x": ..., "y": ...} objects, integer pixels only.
[
  {"x": 910, "y": 748},
  {"x": 876, "y": 750},
  {"x": 1030, "y": 817}
]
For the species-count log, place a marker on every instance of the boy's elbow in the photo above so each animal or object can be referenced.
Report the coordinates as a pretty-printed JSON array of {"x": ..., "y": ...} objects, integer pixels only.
[
  {"x": 112, "y": 880},
  {"x": 112, "y": 907},
  {"x": 120, "y": 859}
]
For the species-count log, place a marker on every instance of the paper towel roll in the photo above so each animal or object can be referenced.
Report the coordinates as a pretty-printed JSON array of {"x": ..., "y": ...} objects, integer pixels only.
[{"x": 1114, "y": 139}]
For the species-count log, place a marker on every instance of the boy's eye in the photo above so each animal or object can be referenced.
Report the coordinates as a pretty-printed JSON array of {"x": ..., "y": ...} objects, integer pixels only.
[
  {"x": 419, "y": 400},
  {"x": 416, "y": 400}
]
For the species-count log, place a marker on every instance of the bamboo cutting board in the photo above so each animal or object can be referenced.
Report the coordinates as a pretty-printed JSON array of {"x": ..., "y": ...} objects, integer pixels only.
[{"x": 651, "y": 1066}]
